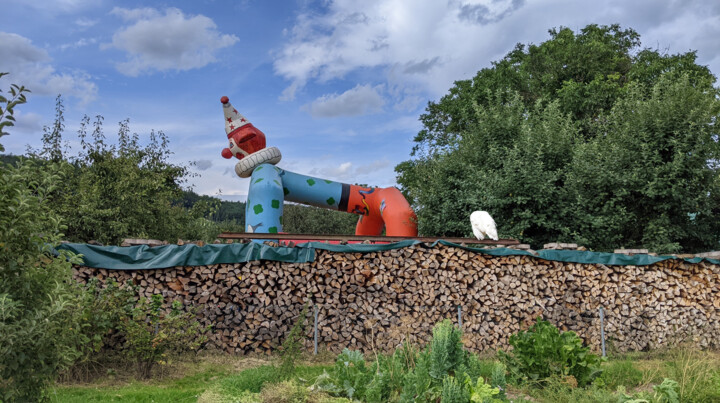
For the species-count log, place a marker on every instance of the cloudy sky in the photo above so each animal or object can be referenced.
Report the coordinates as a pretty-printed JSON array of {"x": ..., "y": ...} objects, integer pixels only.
[{"x": 338, "y": 86}]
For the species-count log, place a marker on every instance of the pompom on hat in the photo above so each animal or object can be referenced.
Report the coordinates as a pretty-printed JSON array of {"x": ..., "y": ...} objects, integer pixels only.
[{"x": 246, "y": 142}]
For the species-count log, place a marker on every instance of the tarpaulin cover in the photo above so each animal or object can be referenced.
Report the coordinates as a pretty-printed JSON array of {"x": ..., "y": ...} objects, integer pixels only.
[{"x": 144, "y": 257}]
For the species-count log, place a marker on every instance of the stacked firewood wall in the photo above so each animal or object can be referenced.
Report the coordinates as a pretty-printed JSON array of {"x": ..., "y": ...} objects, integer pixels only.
[{"x": 377, "y": 300}]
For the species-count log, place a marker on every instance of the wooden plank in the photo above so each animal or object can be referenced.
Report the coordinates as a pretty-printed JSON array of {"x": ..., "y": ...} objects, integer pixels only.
[{"x": 312, "y": 237}]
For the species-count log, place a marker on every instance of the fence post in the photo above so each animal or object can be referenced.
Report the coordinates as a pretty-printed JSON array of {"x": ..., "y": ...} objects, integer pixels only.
[
  {"x": 317, "y": 310},
  {"x": 602, "y": 330},
  {"x": 459, "y": 317}
]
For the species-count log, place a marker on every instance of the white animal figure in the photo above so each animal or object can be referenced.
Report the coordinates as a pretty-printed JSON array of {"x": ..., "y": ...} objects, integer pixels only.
[{"x": 483, "y": 225}]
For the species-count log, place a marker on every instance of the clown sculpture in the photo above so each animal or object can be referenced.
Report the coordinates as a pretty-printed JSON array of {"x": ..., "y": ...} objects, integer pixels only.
[{"x": 270, "y": 186}]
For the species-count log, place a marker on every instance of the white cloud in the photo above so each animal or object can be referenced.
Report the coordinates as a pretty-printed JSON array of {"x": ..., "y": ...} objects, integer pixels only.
[
  {"x": 82, "y": 42},
  {"x": 429, "y": 44},
  {"x": 66, "y": 6},
  {"x": 135, "y": 13},
  {"x": 171, "y": 41},
  {"x": 83, "y": 22},
  {"x": 31, "y": 66},
  {"x": 361, "y": 100},
  {"x": 348, "y": 172}
]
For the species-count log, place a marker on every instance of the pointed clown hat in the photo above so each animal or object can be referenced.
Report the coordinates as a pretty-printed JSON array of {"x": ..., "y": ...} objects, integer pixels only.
[{"x": 246, "y": 142}]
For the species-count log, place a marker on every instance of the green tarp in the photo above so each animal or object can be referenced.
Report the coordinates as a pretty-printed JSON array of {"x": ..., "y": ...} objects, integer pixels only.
[
  {"x": 158, "y": 257},
  {"x": 144, "y": 257}
]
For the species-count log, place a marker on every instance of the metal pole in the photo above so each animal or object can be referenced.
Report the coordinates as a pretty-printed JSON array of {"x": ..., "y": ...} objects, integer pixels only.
[
  {"x": 602, "y": 330},
  {"x": 459, "y": 317},
  {"x": 317, "y": 310}
]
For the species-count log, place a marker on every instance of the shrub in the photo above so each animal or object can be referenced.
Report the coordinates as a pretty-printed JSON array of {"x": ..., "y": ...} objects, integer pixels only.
[
  {"x": 542, "y": 352},
  {"x": 443, "y": 370},
  {"x": 453, "y": 391},
  {"x": 152, "y": 334},
  {"x": 39, "y": 311},
  {"x": 291, "y": 348}
]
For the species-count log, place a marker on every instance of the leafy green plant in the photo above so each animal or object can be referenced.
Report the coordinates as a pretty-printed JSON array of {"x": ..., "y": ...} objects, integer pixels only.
[
  {"x": 152, "y": 334},
  {"x": 453, "y": 391},
  {"x": 389, "y": 372},
  {"x": 350, "y": 374},
  {"x": 542, "y": 352},
  {"x": 40, "y": 332},
  {"x": 664, "y": 393},
  {"x": 291, "y": 348},
  {"x": 446, "y": 350},
  {"x": 482, "y": 392},
  {"x": 7, "y": 106}
]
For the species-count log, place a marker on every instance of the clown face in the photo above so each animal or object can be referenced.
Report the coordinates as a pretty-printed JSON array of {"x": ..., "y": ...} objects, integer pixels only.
[{"x": 244, "y": 141}]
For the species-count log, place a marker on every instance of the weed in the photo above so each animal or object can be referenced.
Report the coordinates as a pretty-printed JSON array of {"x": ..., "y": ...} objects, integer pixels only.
[
  {"x": 697, "y": 375},
  {"x": 291, "y": 348},
  {"x": 621, "y": 373}
]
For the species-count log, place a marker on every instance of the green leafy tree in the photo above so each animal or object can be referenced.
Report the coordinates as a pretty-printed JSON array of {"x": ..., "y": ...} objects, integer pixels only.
[
  {"x": 40, "y": 331},
  {"x": 583, "y": 138},
  {"x": 118, "y": 189},
  {"x": 7, "y": 107},
  {"x": 153, "y": 334},
  {"x": 299, "y": 219}
]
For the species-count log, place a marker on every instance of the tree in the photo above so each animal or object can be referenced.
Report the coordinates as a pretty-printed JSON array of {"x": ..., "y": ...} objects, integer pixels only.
[
  {"x": 120, "y": 189},
  {"x": 40, "y": 330},
  {"x": 299, "y": 219},
  {"x": 7, "y": 107},
  {"x": 584, "y": 137}
]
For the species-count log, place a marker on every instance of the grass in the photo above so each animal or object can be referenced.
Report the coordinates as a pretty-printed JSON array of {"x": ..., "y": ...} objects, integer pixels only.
[
  {"x": 212, "y": 378},
  {"x": 252, "y": 380}
]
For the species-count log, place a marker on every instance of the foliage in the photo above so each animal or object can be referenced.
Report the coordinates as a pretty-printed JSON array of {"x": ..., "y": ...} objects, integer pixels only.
[
  {"x": 299, "y": 219},
  {"x": 350, "y": 375},
  {"x": 291, "y": 348},
  {"x": 663, "y": 393},
  {"x": 117, "y": 191},
  {"x": 482, "y": 392},
  {"x": 453, "y": 391},
  {"x": 152, "y": 334},
  {"x": 542, "y": 352},
  {"x": 620, "y": 373},
  {"x": 101, "y": 310},
  {"x": 696, "y": 374},
  {"x": 40, "y": 327},
  {"x": 7, "y": 107},
  {"x": 443, "y": 370},
  {"x": 582, "y": 138},
  {"x": 40, "y": 332}
]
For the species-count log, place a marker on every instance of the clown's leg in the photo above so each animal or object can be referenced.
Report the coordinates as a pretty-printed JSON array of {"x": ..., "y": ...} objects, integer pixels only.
[
  {"x": 369, "y": 225},
  {"x": 398, "y": 216},
  {"x": 264, "y": 206}
]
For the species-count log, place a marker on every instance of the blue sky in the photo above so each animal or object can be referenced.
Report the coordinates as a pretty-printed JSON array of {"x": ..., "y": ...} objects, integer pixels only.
[{"x": 337, "y": 86}]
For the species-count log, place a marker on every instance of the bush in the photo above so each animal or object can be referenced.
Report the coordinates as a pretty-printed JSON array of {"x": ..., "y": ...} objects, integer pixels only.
[
  {"x": 291, "y": 348},
  {"x": 443, "y": 370},
  {"x": 542, "y": 352},
  {"x": 40, "y": 331},
  {"x": 152, "y": 335}
]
